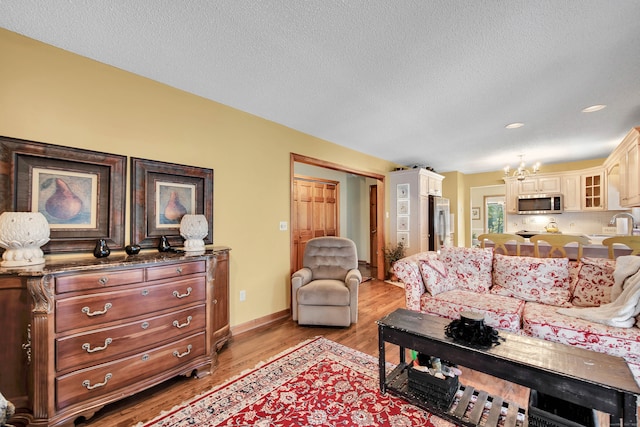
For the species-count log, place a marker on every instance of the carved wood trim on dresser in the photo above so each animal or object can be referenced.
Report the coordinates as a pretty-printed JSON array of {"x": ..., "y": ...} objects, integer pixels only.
[{"x": 85, "y": 332}]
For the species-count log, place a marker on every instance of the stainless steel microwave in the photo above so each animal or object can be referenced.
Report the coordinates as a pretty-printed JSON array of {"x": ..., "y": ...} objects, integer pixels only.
[{"x": 539, "y": 204}]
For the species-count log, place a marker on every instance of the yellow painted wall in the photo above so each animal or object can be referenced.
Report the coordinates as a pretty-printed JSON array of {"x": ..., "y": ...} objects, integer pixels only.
[{"x": 53, "y": 96}]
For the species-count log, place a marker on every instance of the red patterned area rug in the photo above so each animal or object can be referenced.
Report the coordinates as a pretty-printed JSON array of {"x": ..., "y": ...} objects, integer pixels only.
[{"x": 316, "y": 383}]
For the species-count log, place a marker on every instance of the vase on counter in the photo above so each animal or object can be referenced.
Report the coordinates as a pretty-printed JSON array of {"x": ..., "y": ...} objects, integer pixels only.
[
  {"x": 163, "y": 245},
  {"x": 194, "y": 228},
  {"x": 101, "y": 250},
  {"x": 21, "y": 235}
]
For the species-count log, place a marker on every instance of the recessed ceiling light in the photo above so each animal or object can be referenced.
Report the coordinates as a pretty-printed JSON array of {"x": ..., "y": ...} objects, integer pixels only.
[
  {"x": 515, "y": 125},
  {"x": 594, "y": 108}
]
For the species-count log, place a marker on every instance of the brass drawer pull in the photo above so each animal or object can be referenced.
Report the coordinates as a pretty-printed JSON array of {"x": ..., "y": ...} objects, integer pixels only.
[
  {"x": 180, "y": 326},
  {"x": 86, "y": 346},
  {"x": 179, "y": 355},
  {"x": 86, "y": 311},
  {"x": 88, "y": 386},
  {"x": 179, "y": 270},
  {"x": 103, "y": 280},
  {"x": 179, "y": 295}
]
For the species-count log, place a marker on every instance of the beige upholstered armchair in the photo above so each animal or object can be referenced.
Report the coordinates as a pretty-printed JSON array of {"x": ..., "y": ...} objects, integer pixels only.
[{"x": 325, "y": 290}]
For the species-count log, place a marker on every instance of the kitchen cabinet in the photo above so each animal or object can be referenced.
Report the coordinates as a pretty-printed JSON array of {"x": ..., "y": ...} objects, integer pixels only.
[
  {"x": 511, "y": 195},
  {"x": 625, "y": 160},
  {"x": 571, "y": 190},
  {"x": 87, "y": 332},
  {"x": 542, "y": 184},
  {"x": 593, "y": 190},
  {"x": 409, "y": 211}
]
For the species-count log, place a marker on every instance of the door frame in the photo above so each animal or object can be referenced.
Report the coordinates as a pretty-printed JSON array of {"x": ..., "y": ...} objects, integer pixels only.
[{"x": 299, "y": 158}]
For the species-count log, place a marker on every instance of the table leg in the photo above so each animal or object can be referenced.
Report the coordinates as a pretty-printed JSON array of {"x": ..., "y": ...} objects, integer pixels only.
[
  {"x": 381, "y": 361},
  {"x": 630, "y": 411}
]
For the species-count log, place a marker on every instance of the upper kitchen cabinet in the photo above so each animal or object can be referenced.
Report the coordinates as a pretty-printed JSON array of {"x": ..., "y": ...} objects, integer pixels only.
[
  {"x": 593, "y": 189},
  {"x": 625, "y": 161},
  {"x": 584, "y": 190},
  {"x": 540, "y": 184},
  {"x": 572, "y": 200}
]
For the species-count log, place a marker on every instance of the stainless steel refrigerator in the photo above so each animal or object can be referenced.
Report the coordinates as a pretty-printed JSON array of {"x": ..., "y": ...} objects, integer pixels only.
[{"x": 439, "y": 223}]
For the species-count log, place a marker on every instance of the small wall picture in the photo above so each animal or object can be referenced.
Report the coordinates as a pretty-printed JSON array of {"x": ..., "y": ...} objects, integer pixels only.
[
  {"x": 403, "y": 237},
  {"x": 402, "y": 191},
  {"x": 403, "y": 207},
  {"x": 403, "y": 223},
  {"x": 475, "y": 213}
]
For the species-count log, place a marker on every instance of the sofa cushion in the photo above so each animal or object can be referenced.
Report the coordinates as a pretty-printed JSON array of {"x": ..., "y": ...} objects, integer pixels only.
[
  {"x": 468, "y": 268},
  {"x": 435, "y": 276},
  {"x": 543, "y": 321},
  {"x": 595, "y": 279},
  {"x": 544, "y": 280},
  {"x": 499, "y": 311}
]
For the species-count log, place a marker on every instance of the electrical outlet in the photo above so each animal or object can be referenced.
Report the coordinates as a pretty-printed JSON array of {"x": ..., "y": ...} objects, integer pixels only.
[
  {"x": 243, "y": 295},
  {"x": 283, "y": 225}
]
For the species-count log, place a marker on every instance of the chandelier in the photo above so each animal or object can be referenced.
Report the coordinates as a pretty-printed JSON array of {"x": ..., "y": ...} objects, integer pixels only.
[{"x": 521, "y": 173}]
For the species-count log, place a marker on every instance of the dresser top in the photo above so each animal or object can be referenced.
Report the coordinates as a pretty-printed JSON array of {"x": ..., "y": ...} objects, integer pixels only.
[{"x": 88, "y": 262}]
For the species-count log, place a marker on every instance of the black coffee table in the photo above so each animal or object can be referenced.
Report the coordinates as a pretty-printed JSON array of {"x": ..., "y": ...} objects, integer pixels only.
[{"x": 586, "y": 378}]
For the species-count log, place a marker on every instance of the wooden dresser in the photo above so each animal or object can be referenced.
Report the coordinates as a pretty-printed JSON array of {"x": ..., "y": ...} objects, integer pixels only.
[{"x": 78, "y": 334}]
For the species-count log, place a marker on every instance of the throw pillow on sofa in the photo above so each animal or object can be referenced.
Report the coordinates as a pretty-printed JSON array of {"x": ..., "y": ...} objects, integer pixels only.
[
  {"x": 468, "y": 268},
  {"x": 458, "y": 268},
  {"x": 434, "y": 276},
  {"x": 595, "y": 280},
  {"x": 543, "y": 280}
]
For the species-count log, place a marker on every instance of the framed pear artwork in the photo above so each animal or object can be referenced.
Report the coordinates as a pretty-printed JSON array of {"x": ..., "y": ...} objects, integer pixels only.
[
  {"x": 161, "y": 194},
  {"x": 80, "y": 192}
]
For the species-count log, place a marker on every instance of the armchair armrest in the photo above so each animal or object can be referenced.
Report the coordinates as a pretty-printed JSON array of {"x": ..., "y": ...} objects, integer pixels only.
[
  {"x": 353, "y": 280},
  {"x": 298, "y": 280}
]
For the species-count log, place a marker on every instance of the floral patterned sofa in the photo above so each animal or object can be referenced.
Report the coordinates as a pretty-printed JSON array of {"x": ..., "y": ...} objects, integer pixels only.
[{"x": 520, "y": 294}]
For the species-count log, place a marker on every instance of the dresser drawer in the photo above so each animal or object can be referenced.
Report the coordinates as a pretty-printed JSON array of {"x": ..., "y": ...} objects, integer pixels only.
[
  {"x": 101, "y": 308},
  {"x": 113, "y": 377},
  {"x": 86, "y": 281},
  {"x": 92, "y": 348},
  {"x": 175, "y": 270}
]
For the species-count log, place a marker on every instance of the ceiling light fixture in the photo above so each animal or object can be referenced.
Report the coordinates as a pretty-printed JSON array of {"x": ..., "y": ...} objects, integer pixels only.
[
  {"x": 522, "y": 172},
  {"x": 594, "y": 108},
  {"x": 515, "y": 125}
]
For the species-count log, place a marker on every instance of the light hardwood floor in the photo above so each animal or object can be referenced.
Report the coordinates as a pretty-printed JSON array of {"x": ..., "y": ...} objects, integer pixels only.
[{"x": 244, "y": 351}]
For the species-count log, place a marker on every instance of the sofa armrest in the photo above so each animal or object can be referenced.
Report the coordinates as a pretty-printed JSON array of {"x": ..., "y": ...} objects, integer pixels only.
[{"x": 408, "y": 271}]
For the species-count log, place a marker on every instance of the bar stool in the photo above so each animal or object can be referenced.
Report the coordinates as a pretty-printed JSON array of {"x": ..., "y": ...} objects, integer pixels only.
[{"x": 499, "y": 240}]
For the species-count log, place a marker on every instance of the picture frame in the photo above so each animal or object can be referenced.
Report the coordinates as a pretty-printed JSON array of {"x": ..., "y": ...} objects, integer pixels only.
[
  {"x": 475, "y": 213},
  {"x": 403, "y": 207},
  {"x": 161, "y": 193},
  {"x": 403, "y": 223},
  {"x": 403, "y": 237},
  {"x": 80, "y": 192},
  {"x": 402, "y": 191}
]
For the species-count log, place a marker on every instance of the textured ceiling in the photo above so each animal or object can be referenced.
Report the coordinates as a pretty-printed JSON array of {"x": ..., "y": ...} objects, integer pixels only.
[{"x": 411, "y": 81}]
